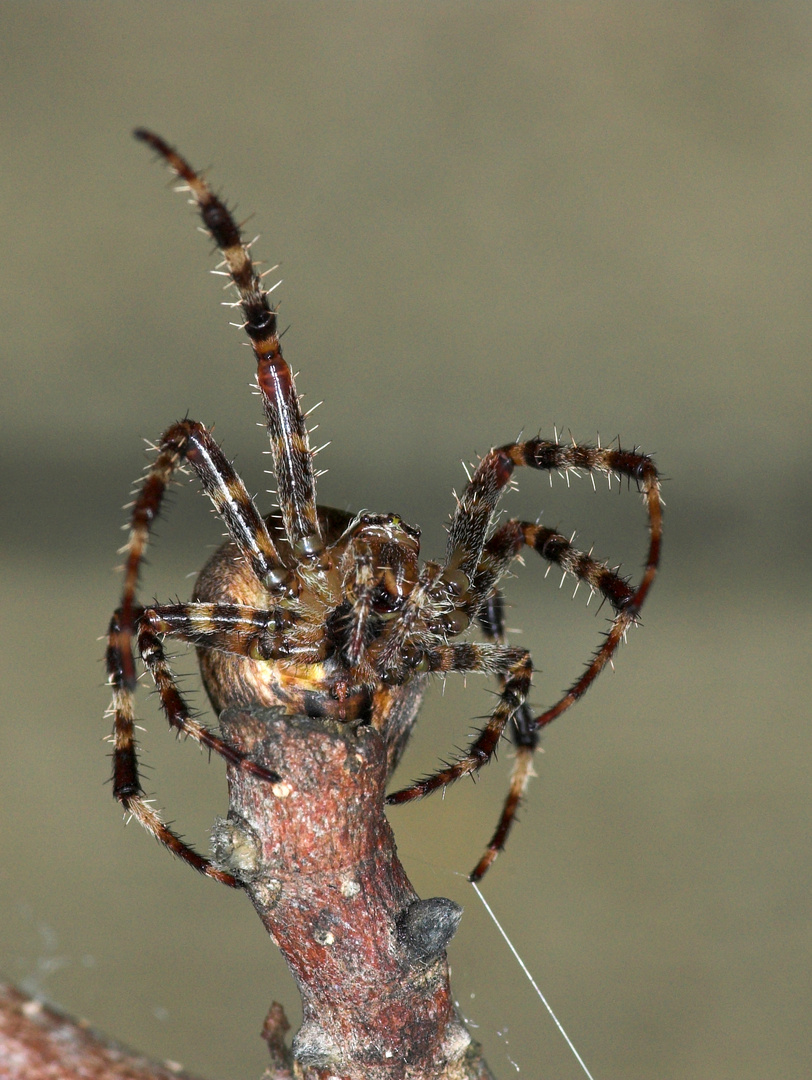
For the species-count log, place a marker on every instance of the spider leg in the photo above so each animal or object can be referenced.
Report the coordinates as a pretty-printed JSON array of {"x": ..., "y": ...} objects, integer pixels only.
[
  {"x": 508, "y": 541},
  {"x": 469, "y": 525},
  {"x": 292, "y": 458},
  {"x": 524, "y": 735},
  {"x": 191, "y": 442},
  {"x": 472, "y": 518},
  {"x": 416, "y": 611},
  {"x": 500, "y": 549},
  {"x": 477, "y": 564},
  {"x": 516, "y": 668},
  {"x": 360, "y": 588},
  {"x": 126, "y": 783},
  {"x": 177, "y": 711},
  {"x": 231, "y": 628}
]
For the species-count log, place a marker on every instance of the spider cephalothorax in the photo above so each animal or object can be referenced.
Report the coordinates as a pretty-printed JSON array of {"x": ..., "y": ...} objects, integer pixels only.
[{"x": 331, "y": 615}]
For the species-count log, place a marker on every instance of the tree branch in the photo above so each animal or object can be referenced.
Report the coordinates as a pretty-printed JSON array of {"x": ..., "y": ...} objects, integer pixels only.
[
  {"x": 37, "y": 1042},
  {"x": 318, "y": 859}
]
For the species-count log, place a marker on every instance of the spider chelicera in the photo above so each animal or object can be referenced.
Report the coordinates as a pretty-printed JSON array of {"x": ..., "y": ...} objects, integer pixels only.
[{"x": 329, "y": 614}]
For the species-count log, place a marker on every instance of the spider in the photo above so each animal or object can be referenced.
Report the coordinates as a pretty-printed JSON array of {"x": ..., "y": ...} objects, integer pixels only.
[{"x": 331, "y": 614}]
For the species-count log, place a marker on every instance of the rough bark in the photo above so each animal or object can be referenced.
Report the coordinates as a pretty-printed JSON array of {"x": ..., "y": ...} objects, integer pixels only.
[
  {"x": 37, "y": 1042},
  {"x": 317, "y": 857}
]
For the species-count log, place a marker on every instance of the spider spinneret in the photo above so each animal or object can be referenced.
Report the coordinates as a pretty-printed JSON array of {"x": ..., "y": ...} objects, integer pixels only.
[{"x": 332, "y": 615}]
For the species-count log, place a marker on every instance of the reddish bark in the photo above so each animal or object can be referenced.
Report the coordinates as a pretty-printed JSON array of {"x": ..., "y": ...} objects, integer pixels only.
[
  {"x": 319, "y": 861},
  {"x": 317, "y": 857},
  {"x": 37, "y": 1042}
]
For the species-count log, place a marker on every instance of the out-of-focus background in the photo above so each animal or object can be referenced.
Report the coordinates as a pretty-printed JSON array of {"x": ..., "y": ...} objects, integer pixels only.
[{"x": 491, "y": 219}]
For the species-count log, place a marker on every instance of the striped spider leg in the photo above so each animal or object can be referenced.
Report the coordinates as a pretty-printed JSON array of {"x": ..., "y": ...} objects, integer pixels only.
[
  {"x": 284, "y": 614},
  {"x": 481, "y": 562},
  {"x": 184, "y": 442},
  {"x": 330, "y": 614}
]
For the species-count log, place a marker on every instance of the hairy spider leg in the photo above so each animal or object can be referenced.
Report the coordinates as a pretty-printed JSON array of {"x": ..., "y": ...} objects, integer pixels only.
[
  {"x": 361, "y": 588},
  {"x": 505, "y": 544},
  {"x": 474, "y": 512},
  {"x": 231, "y": 628},
  {"x": 523, "y": 732},
  {"x": 418, "y": 606},
  {"x": 177, "y": 711},
  {"x": 186, "y": 441},
  {"x": 516, "y": 669},
  {"x": 290, "y": 450},
  {"x": 466, "y": 546}
]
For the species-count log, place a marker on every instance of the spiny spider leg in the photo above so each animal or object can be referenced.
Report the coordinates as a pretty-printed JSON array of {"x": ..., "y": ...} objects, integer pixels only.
[
  {"x": 523, "y": 731},
  {"x": 413, "y": 612},
  {"x": 500, "y": 550},
  {"x": 126, "y": 783},
  {"x": 230, "y": 628},
  {"x": 509, "y": 539},
  {"x": 469, "y": 525},
  {"x": 177, "y": 711},
  {"x": 360, "y": 589},
  {"x": 466, "y": 547},
  {"x": 292, "y": 458},
  {"x": 516, "y": 667},
  {"x": 190, "y": 442}
]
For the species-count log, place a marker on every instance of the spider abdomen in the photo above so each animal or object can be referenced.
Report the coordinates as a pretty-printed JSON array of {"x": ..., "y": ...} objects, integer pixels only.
[{"x": 319, "y": 651}]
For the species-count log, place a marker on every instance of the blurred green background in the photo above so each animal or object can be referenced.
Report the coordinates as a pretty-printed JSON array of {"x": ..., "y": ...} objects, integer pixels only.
[{"x": 491, "y": 218}]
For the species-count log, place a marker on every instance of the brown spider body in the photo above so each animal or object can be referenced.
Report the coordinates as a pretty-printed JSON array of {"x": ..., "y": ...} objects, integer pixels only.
[
  {"x": 323, "y": 655},
  {"x": 332, "y": 615}
]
